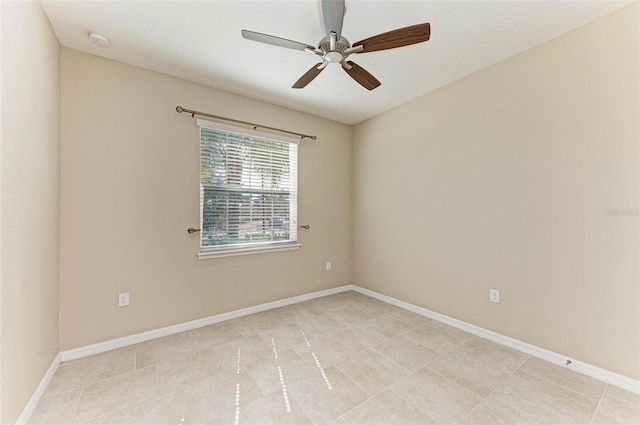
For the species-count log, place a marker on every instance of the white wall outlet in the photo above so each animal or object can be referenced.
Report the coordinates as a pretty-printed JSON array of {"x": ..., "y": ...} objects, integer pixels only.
[
  {"x": 328, "y": 265},
  {"x": 123, "y": 299},
  {"x": 494, "y": 295}
]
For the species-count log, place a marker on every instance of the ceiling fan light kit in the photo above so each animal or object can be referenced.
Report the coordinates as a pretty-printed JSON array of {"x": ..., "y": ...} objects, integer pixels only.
[{"x": 336, "y": 49}]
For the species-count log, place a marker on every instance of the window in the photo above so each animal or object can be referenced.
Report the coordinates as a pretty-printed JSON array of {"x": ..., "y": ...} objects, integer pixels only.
[{"x": 248, "y": 191}]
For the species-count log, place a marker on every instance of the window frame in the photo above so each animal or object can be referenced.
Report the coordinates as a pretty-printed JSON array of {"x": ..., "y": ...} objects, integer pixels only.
[{"x": 227, "y": 250}]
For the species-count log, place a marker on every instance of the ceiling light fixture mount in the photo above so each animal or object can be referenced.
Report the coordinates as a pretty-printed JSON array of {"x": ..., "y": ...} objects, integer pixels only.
[{"x": 99, "y": 39}]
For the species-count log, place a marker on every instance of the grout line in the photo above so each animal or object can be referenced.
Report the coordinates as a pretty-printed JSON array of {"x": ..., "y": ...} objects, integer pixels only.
[
  {"x": 440, "y": 354},
  {"x": 64, "y": 377},
  {"x": 301, "y": 407},
  {"x": 459, "y": 384},
  {"x": 335, "y": 366},
  {"x": 559, "y": 385},
  {"x": 359, "y": 386},
  {"x": 595, "y": 412},
  {"x": 567, "y": 387},
  {"x": 75, "y": 409},
  {"x": 497, "y": 386},
  {"x": 393, "y": 361},
  {"x": 185, "y": 412},
  {"x": 134, "y": 370},
  {"x": 404, "y": 399},
  {"x": 448, "y": 332}
]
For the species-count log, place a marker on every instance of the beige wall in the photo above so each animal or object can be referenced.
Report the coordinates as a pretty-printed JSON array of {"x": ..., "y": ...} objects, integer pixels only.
[
  {"x": 503, "y": 180},
  {"x": 30, "y": 202},
  {"x": 130, "y": 173}
]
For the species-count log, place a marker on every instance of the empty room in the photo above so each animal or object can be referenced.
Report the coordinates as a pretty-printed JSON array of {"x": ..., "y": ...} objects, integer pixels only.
[{"x": 320, "y": 212}]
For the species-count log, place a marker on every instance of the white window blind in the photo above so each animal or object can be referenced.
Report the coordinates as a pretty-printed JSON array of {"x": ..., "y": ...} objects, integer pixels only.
[{"x": 248, "y": 190}]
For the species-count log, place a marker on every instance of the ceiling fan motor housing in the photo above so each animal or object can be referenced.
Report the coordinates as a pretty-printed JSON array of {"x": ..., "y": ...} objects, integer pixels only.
[{"x": 335, "y": 55}]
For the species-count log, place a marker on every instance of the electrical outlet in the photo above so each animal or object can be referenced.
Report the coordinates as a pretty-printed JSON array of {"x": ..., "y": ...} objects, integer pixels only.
[
  {"x": 494, "y": 295},
  {"x": 123, "y": 299},
  {"x": 328, "y": 265}
]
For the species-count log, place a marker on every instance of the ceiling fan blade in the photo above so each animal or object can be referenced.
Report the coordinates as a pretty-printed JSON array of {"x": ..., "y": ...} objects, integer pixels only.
[
  {"x": 362, "y": 76},
  {"x": 396, "y": 38},
  {"x": 276, "y": 41},
  {"x": 308, "y": 76},
  {"x": 333, "y": 16}
]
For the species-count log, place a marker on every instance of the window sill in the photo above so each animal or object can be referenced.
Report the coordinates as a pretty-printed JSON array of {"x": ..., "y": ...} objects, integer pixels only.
[{"x": 203, "y": 255}]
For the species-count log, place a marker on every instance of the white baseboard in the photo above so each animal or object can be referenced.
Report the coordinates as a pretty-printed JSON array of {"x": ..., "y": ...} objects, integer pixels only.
[
  {"x": 102, "y": 347},
  {"x": 37, "y": 394},
  {"x": 541, "y": 353}
]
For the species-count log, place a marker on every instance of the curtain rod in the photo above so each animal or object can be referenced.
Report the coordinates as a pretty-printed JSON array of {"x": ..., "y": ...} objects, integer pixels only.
[{"x": 180, "y": 110}]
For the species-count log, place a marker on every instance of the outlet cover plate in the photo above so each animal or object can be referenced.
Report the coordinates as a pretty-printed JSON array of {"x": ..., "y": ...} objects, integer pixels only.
[{"x": 494, "y": 295}]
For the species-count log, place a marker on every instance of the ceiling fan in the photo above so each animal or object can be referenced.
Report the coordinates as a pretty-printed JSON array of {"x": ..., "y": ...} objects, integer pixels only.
[{"x": 334, "y": 48}]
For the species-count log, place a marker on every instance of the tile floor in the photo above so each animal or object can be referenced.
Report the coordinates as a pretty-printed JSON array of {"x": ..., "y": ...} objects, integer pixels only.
[{"x": 342, "y": 359}]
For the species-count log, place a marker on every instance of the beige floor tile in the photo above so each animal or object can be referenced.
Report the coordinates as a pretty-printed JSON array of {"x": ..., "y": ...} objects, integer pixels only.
[
  {"x": 267, "y": 370},
  {"x": 187, "y": 369},
  {"x": 325, "y": 397},
  {"x": 251, "y": 348},
  {"x": 372, "y": 371},
  {"x": 120, "y": 392},
  {"x": 359, "y": 338},
  {"x": 384, "y": 409},
  {"x": 218, "y": 397},
  {"x": 165, "y": 409},
  {"x": 255, "y": 323},
  {"x": 283, "y": 336},
  {"x": 334, "y": 301},
  {"x": 97, "y": 421},
  {"x": 441, "y": 400},
  {"x": 210, "y": 336},
  {"x": 373, "y": 306},
  {"x": 98, "y": 367},
  {"x": 302, "y": 311},
  {"x": 162, "y": 349},
  {"x": 310, "y": 307},
  {"x": 320, "y": 325},
  {"x": 525, "y": 398},
  {"x": 478, "y": 365},
  {"x": 272, "y": 409},
  {"x": 417, "y": 370},
  {"x": 618, "y": 406},
  {"x": 327, "y": 351},
  {"x": 450, "y": 329},
  {"x": 578, "y": 382},
  {"x": 434, "y": 339},
  {"x": 409, "y": 317},
  {"x": 406, "y": 352},
  {"x": 278, "y": 314},
  {"x": 387, "y": 325},
  {"x": 350, "y": 315},
  {"x": 56, "y": 409}
]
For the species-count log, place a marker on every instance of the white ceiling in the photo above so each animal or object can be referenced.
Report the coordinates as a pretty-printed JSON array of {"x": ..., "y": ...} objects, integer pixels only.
[{"x": 200, "y": 41}]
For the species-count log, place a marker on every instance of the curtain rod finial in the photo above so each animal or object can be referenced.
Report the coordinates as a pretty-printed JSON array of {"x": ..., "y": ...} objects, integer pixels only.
[{"x": 180, "y": 109}]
